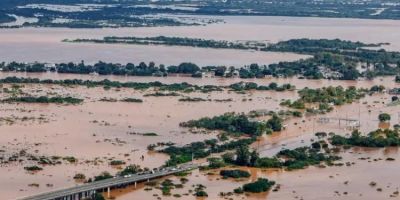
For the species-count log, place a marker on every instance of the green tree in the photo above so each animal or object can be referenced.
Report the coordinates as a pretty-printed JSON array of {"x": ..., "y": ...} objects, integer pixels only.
[
  {"x": 254, "y": 157},
  {"x": 261, "y": 129},
  {"x": 384, "y": 117},
  {"x": 261, "y": 185},
  {"x": 228, "y": 157},
  {"x": 103, "y": 176},
  {"x": 242, "y": 155},
  {"x": 397, "y": 79},
  {"x": 275, "y": 123}
]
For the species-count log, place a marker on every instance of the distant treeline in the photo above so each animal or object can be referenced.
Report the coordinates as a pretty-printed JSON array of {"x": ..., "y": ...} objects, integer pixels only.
[
  {"x": 336, "y": 59},
  {"x": 175, "y": 41},
  {"x": 293, "y": 45},
  {"x": 102, "y": 68},
  {"x": 174, "y": 87}
]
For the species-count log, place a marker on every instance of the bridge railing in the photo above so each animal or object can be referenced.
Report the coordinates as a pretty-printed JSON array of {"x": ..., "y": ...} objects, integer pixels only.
[{"x": 112, "y": 182}]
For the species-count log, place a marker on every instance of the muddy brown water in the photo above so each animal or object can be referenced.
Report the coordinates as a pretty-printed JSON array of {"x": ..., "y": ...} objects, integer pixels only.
[
  {"x": 44, "y": 44},
  {"x": 345, "y": 182},
  {"x": 72, "y": 131},
  {"x": 100, "y": 130},
  {"x": 299, "y": 83}
]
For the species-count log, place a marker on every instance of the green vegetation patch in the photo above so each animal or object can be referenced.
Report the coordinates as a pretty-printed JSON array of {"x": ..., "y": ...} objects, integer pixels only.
[
  {"x": 261, "y": 185},
  {"x": 44, "y": 99},
  {"x": 179, "y": 155},
  {"x": 377, "y": 138},
  {"x": 237, "y": 123},
  {"x": 150, "y": 134},
  {"x": 132, "y": 100},
  {"x": 33, "y": 168},
  {"x": 236, "y": 173}
]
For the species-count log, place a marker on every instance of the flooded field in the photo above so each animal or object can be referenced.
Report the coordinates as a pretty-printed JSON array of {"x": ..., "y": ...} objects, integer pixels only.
[
  {"x": 314, "y": 183},
  {"x": 103, "y": 128},
  {"x": 299, "y": 83},
  {"x": 96, "y": 132},
  {"x": 44, "y": 44}
]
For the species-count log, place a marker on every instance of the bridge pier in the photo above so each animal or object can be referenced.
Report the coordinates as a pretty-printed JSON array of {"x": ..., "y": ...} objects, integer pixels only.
[
  {"x": 93, "y": 193},
  {"x": 90, "y": 189},
  {"x": 81, "y": 195}
]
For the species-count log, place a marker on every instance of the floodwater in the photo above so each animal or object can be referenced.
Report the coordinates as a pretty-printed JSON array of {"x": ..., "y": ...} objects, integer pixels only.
[
  {"x": 314, "y": 183},
  {"x": 44, "y": 44},
  {"x": 102, "y": 131},
  {"x": 72, "y": 131},
  {"x": 97, "y": 132},
  {"x": 387, "y": 81}
]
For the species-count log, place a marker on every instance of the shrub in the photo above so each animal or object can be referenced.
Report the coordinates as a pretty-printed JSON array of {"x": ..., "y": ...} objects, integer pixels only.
[
  {"x": 201, "y": 193},
  {"x": 79, "y": 176},
  {"x": 33, "y": 168},
  {"x": 238, "y": 190},
  {"x": 261, "y": 185},
  {"x": 268, "y": 163},
  {"x": 383, "y": 117},
  {"x": 234, "y": 173},
  {"x": 117, "y": 162},
  {"x": 132, "y": 100},
  {"x": 103, "y": 176}
]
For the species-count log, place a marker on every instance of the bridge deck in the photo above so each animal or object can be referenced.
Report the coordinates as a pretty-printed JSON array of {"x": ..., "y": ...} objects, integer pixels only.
[{"x": 112, "y": 182}]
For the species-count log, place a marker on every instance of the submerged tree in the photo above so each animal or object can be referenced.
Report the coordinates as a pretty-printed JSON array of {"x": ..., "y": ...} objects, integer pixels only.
[{"x": 384, "y": 117}]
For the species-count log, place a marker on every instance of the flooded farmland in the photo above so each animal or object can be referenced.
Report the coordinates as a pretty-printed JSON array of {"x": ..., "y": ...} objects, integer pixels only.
[
  {"x": 313, "y": 183},
  {"x": 44, "y": 44},
  {"x": 96, "y": 132},
  {"x": 103, "y": 128}
]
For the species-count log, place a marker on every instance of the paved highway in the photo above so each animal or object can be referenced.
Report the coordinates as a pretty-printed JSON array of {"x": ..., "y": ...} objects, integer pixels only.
[{"x": 78, "y": 192}]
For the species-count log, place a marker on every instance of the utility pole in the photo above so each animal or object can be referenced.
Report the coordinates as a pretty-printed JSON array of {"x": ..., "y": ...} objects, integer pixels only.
[
  {"x": 313, "y": 125},
  {"x": 359, "y": 115}
]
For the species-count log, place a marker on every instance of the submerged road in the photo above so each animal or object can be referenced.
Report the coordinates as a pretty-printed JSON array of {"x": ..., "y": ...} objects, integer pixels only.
[{"x": 89, "y": 189}]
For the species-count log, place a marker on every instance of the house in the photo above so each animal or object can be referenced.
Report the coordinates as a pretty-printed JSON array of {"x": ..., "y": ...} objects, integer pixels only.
[{"x": 208, "y": 74}]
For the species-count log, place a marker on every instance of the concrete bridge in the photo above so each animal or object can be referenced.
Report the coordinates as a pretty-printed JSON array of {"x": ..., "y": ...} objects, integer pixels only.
[{"x": 88, "y": 190}]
